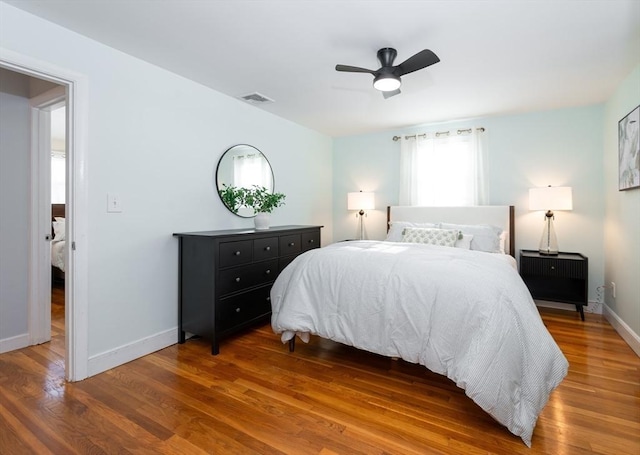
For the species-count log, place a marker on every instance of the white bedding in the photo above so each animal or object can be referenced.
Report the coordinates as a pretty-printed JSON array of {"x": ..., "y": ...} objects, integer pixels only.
[
  {"x": 57, "y": 254},
  {"x": 461, "y": 313}
]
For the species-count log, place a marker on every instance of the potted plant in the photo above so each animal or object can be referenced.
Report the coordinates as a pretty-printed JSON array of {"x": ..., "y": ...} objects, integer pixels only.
[
  {"x": 233, "y": 197},
  {"x": 258, "y": 198}
]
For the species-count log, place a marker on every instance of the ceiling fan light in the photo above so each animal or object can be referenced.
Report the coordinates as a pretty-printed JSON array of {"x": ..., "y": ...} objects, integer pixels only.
[{"x": 386, "y": 83}]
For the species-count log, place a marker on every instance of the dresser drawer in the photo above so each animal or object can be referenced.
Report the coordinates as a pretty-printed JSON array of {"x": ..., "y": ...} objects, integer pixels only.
[
  {"x": 310, "y": 240},
  {"x": 553, "y": 267},
  {"x": 265, "y": 248},
  {"x": 242, "y": 309},
  {"x": 235, "y": 253},
  {"x": 239, "y": 278},
  {"x": 283, "y": 262},
  {"x": 290, "y": 244}
]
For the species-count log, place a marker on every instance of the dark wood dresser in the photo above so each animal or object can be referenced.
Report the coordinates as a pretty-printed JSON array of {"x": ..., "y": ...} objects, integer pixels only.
[{"x": 225, "y": 277}]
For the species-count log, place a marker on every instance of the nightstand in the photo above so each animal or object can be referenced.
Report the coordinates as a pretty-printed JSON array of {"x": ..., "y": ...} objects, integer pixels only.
[{"x": 560, "y": 278}]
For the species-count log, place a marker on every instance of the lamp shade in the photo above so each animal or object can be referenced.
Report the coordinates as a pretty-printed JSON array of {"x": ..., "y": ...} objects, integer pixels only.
[
  {"x": 551, "y": 198},
  {"x": 360, "y": 201}
]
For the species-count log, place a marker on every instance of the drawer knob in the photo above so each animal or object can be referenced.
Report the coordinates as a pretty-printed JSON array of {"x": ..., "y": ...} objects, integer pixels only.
[
  {"x": 237, "y": 310},
  {"x": 553, "y": 267},
  {"x": 237, "y": 279},
  {"x": 237, "y": 253},
  {"x": 292, "y": 244},
  {"x": 267, "y": 248},
  {"x": 268, "y": 271},
  {"x": 311, "y": 241},
  {"x": 268, "y": 299}
]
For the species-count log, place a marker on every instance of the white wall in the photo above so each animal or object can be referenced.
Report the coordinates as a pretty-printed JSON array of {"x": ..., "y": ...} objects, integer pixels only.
[
  {"x": 14, "y": 212},
  {"x": 622, "y": 218},
  {"x": 154, "y": 140},
  {"x": 559, "y": 147}
]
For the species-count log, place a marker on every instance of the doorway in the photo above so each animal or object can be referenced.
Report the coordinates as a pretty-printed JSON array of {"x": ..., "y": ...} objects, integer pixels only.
[
  {"x": 47, "y": 220},
  {"x": 59, "y": 219},
  {"x": 74, "y": 88},
  {"x": 35, "y": 151}
]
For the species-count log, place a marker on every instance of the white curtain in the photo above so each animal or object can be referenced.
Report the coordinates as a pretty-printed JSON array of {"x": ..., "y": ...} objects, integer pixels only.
[
  {"x": 252, "y": 169},
  {"x": 444, "y": 169}
]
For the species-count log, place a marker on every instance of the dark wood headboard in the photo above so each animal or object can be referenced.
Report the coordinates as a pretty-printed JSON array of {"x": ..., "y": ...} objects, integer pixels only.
[{"x": 57, "y": 210}]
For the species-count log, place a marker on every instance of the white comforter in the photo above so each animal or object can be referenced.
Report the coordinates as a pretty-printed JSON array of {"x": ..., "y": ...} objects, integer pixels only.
[
  {"x": 464, "y": 314},
  {"x": 57, "y": 254}
]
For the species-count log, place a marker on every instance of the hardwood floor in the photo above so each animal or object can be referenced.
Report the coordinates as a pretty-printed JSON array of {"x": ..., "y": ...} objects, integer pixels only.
[{"x": 325, "y": 398}]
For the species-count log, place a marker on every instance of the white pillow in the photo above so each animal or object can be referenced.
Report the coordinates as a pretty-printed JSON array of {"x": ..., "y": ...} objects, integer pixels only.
[
  {"x": 396, "y": 228},
  {"x": 58, "y": 230},
  {"x": 429, "y": 236},
  {"x": 485, "y": 237},
  {"x": 464, "y": 242},
  {"x": 503, "y": 242}
]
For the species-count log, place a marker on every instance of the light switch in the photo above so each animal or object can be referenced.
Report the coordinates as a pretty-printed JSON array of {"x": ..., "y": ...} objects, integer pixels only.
[{"x": 114, "y": 205}]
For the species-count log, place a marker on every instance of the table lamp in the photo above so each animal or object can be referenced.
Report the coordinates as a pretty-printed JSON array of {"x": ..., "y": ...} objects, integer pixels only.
[
  {"x": 360, "y": 201},
  {"x": 550, "y": 198}
]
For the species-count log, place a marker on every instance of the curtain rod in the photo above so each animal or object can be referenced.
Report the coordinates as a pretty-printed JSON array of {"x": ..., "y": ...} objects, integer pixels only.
[{"x": 439, "y": 133}]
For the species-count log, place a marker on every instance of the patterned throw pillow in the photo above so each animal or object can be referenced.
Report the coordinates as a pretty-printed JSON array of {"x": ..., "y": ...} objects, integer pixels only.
[
  {"x": 441, "y": 237},
  {"x": 396, "y": 228},
  {"x": 485, "y": 237}
]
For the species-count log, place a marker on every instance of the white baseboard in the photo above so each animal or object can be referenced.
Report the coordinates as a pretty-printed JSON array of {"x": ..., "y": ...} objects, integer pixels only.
[
  {"x": 13, "y": 343},
  {"x": 628, "y": 335},
  {"x": 128, "y": 352}
]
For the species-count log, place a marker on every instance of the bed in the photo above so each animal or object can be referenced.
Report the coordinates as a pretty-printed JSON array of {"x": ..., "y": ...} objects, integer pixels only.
[
  {"x": 454, "y": 305},
  {"x": 58, "y": 221}
]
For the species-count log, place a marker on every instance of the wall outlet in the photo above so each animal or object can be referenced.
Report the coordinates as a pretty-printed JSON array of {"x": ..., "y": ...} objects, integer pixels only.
[
  {"x": 114, "y": 205},
  {"x": 613, "y": 289}
]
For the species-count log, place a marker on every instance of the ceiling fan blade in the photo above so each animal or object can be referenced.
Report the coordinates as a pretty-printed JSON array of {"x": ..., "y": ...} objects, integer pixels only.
[
  {"x": 353, "y": 69},
  {"x": 390, "y": 94},
  {"x": 420, "y": 60}
]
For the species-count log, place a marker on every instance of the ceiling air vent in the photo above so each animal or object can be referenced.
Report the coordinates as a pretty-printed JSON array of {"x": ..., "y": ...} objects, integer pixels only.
[{"x": 256, "y": 98}]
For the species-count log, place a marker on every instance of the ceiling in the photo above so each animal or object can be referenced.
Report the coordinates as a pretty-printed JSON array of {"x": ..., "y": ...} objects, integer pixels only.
[{"x": 497, "y": 56}]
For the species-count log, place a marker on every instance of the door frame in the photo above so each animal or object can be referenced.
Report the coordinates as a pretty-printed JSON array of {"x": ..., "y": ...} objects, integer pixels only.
[{"x": 76, "y": 275}]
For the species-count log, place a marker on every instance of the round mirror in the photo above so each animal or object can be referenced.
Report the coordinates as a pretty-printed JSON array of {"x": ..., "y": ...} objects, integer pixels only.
[{"x": 240, "y": 168}]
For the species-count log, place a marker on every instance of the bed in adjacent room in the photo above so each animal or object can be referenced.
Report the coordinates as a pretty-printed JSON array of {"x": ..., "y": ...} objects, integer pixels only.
[
  {"x": 442, "y": 291},
  {"x": 58, "y": 221}
]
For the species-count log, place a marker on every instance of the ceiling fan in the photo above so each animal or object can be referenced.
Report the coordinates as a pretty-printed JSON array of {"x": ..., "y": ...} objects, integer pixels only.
[{"x": 387, "y": 78}]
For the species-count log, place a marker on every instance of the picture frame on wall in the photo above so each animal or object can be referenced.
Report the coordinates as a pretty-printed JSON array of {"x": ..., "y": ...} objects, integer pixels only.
[{"x": 629, "y": 151}]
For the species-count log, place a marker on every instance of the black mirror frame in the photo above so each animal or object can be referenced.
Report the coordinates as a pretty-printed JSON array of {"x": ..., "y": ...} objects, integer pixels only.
[{"x": 218, "y": 183}]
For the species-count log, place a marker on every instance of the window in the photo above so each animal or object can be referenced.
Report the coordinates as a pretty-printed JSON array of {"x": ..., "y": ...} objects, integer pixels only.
[
  {"x": 251, "y": 169},
  {"x": 443, "y": 169},
  {"x": 57, "y": 177},
  {"x": 58, "y": 159}
]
